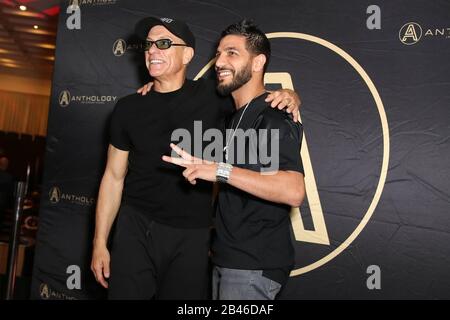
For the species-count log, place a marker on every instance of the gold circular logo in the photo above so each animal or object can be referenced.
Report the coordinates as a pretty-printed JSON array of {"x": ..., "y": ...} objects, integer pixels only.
[
  {"x": 119, "y": 47},
  {"x": 410, "y": 33},
  {"x": 44, "y": 292},
  {"x": 54, "y": 195},
  {"x": 64, "y": 98},
  {"x": 385, "y": 130}
]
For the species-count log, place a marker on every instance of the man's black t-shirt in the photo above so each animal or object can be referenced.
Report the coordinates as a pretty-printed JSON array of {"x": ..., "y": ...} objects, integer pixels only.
[
  {"x": 143, "y": 125},
  {"x": 252, "y": 233}
]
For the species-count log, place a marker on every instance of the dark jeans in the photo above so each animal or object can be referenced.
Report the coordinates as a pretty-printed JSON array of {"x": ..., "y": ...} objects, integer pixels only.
[{"x": 153, "y": 260}]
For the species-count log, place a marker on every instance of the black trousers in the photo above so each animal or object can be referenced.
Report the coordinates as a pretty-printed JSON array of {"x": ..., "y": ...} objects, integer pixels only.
[{"x": 150, "y": 260}]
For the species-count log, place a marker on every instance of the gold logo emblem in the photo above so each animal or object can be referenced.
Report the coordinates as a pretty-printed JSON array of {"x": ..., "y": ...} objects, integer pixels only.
[
  {"x": 119, "y": 47},
  {"x": 55, "y": 195},
  {"x": 44, "y": 292},
  {"x": 64, "y": 98},
  {"x": 410, "y": 33}
]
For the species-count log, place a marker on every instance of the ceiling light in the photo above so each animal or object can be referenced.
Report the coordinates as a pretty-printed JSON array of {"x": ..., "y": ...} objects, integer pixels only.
[
  {"x": 44, "y": 45},
  {"x": 5, "y": 60},
  {"x": 23, "y": 8},
  {"x": 10, "y": 65},
  {"x": 36, "y": 26}
]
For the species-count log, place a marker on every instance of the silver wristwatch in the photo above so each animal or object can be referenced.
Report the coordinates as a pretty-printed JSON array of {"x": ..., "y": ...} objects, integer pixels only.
[{"x": 223, "y": 172}]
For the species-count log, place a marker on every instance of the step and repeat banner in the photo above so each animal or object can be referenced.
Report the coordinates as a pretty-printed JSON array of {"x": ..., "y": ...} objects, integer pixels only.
[{"x": 374, "y": 79}]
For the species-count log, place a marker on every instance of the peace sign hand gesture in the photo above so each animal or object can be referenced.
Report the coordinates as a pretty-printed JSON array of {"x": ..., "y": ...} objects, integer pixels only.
[{"x": 195, "y": 168}]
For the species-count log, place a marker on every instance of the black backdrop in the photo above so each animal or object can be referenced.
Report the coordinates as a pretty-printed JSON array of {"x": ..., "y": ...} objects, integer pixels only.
[{"x": 377, "y": 128}]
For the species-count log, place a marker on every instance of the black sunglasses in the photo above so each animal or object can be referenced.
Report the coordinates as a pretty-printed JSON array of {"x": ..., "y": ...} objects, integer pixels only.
[{"x": 160, "y": 44}]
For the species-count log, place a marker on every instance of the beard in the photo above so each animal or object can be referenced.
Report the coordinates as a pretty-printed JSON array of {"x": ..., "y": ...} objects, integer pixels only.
[{"x": 240, "y": 78}]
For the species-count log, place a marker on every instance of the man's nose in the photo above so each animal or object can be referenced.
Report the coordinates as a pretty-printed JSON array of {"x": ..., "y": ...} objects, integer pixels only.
[
  {"x": 153, "y": 48},
  {"x": 220, "y": 61}
]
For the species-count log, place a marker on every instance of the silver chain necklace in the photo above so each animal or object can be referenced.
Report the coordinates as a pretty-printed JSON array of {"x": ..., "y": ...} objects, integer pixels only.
[{"x": 227, "y": 146}]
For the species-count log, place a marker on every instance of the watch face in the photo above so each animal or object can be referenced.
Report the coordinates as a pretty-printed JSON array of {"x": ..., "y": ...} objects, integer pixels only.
[{"x": 223, "y": 172}]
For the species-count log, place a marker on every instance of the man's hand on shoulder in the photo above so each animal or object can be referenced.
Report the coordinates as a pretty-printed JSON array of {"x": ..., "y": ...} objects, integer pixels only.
[
  {"x": 145, "y": 89},
  {"x": 285, "y": 99}
]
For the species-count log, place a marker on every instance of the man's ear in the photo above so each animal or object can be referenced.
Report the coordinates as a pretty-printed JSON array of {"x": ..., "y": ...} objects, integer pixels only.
[
  {"x": 258, "y": 63},
  {"x": 188, "y": 54}
]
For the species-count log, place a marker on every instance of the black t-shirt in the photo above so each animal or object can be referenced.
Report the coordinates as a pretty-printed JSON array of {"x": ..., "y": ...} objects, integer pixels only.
[
  {"x": 252, "y": 233},
  {"x": 143, "y": 125}
]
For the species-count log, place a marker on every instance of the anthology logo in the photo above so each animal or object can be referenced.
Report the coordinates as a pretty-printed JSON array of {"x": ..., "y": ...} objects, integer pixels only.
[
  {"x": 56, "y": 196},
  {"x": 66, "y": 98},
  {"x": 120, "y": 47},
  {"x": 44, "y": 291},
  {"x": 412, "y": 32},
  {"x": 92, "y": 2},
  {"x": 47, "y": 293}
]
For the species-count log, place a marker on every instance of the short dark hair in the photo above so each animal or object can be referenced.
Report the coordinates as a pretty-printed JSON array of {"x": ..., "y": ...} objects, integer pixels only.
[{"x": 256, "y": 41}]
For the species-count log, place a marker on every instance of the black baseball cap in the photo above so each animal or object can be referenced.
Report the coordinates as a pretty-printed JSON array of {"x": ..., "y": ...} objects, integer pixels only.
[{"x": 177, "y": 27}]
